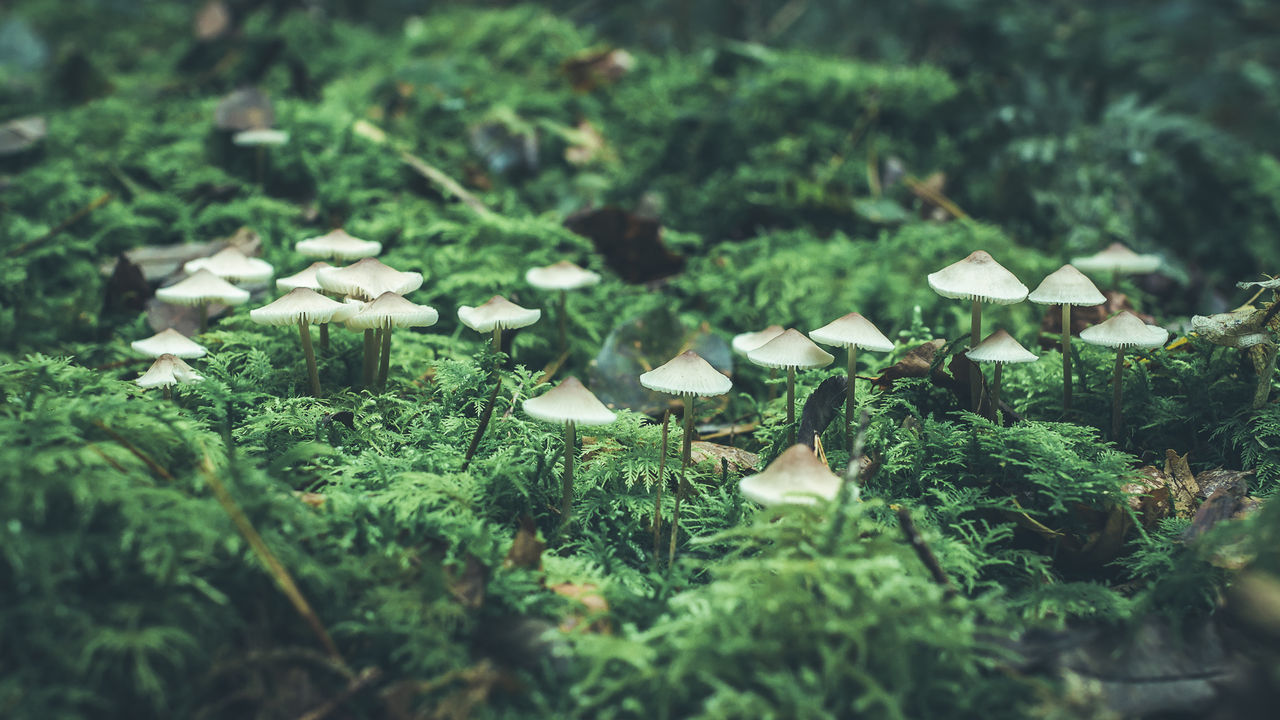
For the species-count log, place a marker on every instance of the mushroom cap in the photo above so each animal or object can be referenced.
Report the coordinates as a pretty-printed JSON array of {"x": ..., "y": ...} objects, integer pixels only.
[
  {"x": 1118, "y": 258},
  {"x": 569, "y": 402},
  {"x": 167, "y": 371},
  {"x": 852, "y": 330},
  {"x": 305, "y": 278},
  {"x": 339, "y": 245},
  {"x": 367, "y": 279},
  {"x": 392, "y": 310},
  {"x": 497, "y": 312},
  {"x": 563, "y": 275},
  {"x": 233, "y": 266},
  {"x": 796, "y": 476},
  {"x": 791, "y": 349},
  {"x": 1000, "y": 348},
  {"x": 301, "y": 305},
  {"x": 1124, "y": 330},
  {"x": 1066, "y": 286},
  {"x": 746, "y": 342},
  {"x": 202, "y": 287},
  {"x": 169, "y": 342},
  {"x": 686, "y": 374},
  {"x": 260, "y": 136},
  {"x": 978, "y": 277}
]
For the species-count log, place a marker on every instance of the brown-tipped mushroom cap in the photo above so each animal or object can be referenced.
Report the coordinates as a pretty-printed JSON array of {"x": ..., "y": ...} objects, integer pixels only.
[
  {"x": 200, "y": 288},
  {"x": 852, "y": 330},
  {"x": 167, "y": 371},
  {"x": 746, "y": 342},
  {"x": 367, "y": 279},
  {"x": 305, "y": 279},
  {"x": 1000, "y": 348},
  {"x": 498, "y": 312},
  {"x": 1119, "y": 259},
  {"x": 392, "y": 311},
  {"x": 796, "y": 476},
  {"x": 338, "y": 244},
  {"x": 301, "y": 305},
  {"x": 1066, "y": 286},
  {"x": 563, "y": 275},
  {"x": 570, "y": 401},
  {"x": 169, "y": 342},
  {"x": 260, "y": 137},
  {"x": 978, "y": 277},
  {"x": 686, "y": 374},
  {"x": 791, "y": 349},
  {"x": 1125, "y": 330},
  {"x": 233, "y": 266}
]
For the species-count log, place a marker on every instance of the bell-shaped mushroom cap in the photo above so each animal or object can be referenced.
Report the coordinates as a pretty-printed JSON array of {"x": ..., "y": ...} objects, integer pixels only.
[
  {"x": 1124, "y": 330},
  {"x": 338, "y": 244},
  {"x": 1066, "y": 286},
  {"x": 302, "y": 305},
  {"x": 167, "y": 371},
  {"x": 569, "y": 402},
  {"x": 169, "y": 342},
  {"x": 367, "y": 279},
  {"x": 746, "y": 342},
  {"x": 1001, "y": 348},
  {"x": 796, "y": 476},
  {"x": 791, "y": 349},
  {"x": 563, "y": 275},
  {"x": 305, "y": 279},
  {"x": 852, "y": 330},
  {"x": 978, "y": 277},
  {"x": 260, "y": 137},
  {"x": 232, "y": 265},
  {"x": 200, "y": 288},
  {"x": 498, "y": 312},
  {"x": 1118, "y": 258},
  {"x": 686, "y": 374},
  {"x": 392, "y": 310}
]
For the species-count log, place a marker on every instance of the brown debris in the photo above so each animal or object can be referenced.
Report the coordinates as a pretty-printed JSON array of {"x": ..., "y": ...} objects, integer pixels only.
[
  {"x": 739, "y": 460},
  {"x": 591, "y": 69},
  {"x": 526, "y": 549}
]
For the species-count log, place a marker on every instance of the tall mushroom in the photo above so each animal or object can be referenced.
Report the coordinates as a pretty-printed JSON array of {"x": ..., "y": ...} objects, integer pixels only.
[
  {"x": 851, "y": 332},
  {"x": 169, "y": 342},
  {"x": 688, "y": 376},
  {"x": 1120, "y": 331},
  {"x": 790, "y": 350},
  {"x": 365, "y": 280},
  {"x": 1117, "y": 260},
  {"x": 199, "y": 290},
  {"x": 168, "y": 370},
  {"x": 563, "y": 277},
  {"x": 391, "y": 311},
  {"x": 572, "y": 404},
  {"x": 977, "y": 278},
  {"x": 301, "y": 307},
  {"x": 307, "y": 278},
  {"x": 795, "y": 477},
  {"x": 1066, "y": 286},
  {"x": 999, "y": 349},
  {"x": 495, "y": 315}
]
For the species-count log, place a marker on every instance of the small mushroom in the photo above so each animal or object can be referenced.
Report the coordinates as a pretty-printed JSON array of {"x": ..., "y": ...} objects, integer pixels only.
[
  {"x": 572, "y": 404},
  {"x": 795, "y": 477},
  {"x": 790, "y": 350},
  {"x": 1117, "y": 260},
  {"x": 1066, "y": 286},
  {"x": 260, "y": 139},
  {"x": 1122, "y": 330},
  {"x": 168, "y": 370},
  {"x": 1001, "y": 349},
  {"x": 199, "y": 290},
  {"x": 338, "y": 245},
  {"x": 563, "y": 277},
  {"x": 744, "y": 343},
  {"x": 391, "y": 311},
  {"x": 495, "y": 315},
  {"x": 305, "y": 278},
  {"x": 851, "y": 332},
  {"x": 301, "y": 307},
  {"x": 365, "y": 280},
  {"x": 169, "y": 342},
  {"x": 233, "y": 266}
]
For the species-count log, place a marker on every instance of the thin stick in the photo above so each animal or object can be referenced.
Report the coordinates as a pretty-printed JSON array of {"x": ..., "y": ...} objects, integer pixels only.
[
  {"x": 975, "y": 336},
  {"x": 566, "y": 501},
  {"x": 305, "y": 333},
  {"x": 1115, "y": 399},
  {"x": 446, "y": 183},
  {"x": 791, "y": 406},
  {"x": 662, "y": 480},
  {"x": 1066, "y": 356},
  {"x": 681, "y": 488},
  {"x": 76, "y": 217},
  {"x": 917, "y": 543},
  {"x": 384, "y": 366},
  {"x": 487, "y": 412}
]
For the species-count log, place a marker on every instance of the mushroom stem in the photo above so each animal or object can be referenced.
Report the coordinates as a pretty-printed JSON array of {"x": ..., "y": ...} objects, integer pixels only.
[
  {"x": 261, "y": 164},
  {"x": 848, "y": 393},
  {"x": 370, "y": 359},
  {"x": 305, "y": 333},
  {"x": 384, "y": 365},
  {"x": 487, "y": 412},
  {"x": 995, "y": 392},
  {"x": 1115, "y": 399},
  {"x": 168, "y": 392},
  {"x": 324, "y": 336},
  {"x": 564, "y": 322},
  {"x": 975, "y": 337},
  {"x": 791, "y": 406},
  {"x": 204, "y": 316},
  {"x": 662, "y": 480},
  {"x": 685, "y": 456},
  {"x": 566, "y": 501},
  {"x": 1066, "y": 356}
]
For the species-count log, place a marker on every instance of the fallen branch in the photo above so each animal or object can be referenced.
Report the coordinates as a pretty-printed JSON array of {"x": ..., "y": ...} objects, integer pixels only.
[
  {"x": 916, "y": 540},
  {"x": 448, "y": 184},
  {"x": 77, "y": 217}
]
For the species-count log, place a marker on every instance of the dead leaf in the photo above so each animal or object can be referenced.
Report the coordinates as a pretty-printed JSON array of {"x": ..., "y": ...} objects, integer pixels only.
[
  {"x": 739, "y": 460},
  {"x": 526, "y": 549},
  {"x": 820, "y": 409},
  {"x": 1182, "y": 483},
  {"x": 587, "y": 147},
  {"x": 594, "y": 606},
  {"x": 594, "y": 68},
  {"x": 127, "y": 289},
  {"x": 244, "y": 109},
  {"x": 1149, "y": 496},
  {"x": 631, "y": 244},
  {"x": 915, "y": 364},
  {"x": 468, "y": 586},
  {"x": 1226, "y": 491},
  {"x": 212, "y": 21},
  {"x": 315, "y": 500},
  {"x": 1237, "y": 481}
]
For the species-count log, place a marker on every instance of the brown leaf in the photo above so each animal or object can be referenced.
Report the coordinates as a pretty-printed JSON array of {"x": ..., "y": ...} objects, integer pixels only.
[
  {"x": 631, "y": 244},
  {"x": 593, "y": 68},
  {"x": 526, "y": 549},
  {"x": 739, "y": 460},
  {"x": 587, "y": 147},
  {"x": 1149, "y": 496},
  {"x": 212, "y": 21},
  {"x": 915, "y": 364},
  {"x": 1182, "y": 483},
  {"x": 315, "y": 500},
  {"x": 1236, "y": 481},
  {"x": 468, "y": 586},
  {"x": 127, "y": 289},
  {"x": 593, "y": 603}
]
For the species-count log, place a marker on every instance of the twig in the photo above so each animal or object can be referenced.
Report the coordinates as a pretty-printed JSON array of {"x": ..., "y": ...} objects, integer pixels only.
[
  {"x": 450, "y": 186},
  {"x": 367, "y": 677},
  {"x": 916, "y": 540},
  {"x": 935, "y": 197},
  {"x": 154, "y": 466},
  {"x": 75, "y": 218}
]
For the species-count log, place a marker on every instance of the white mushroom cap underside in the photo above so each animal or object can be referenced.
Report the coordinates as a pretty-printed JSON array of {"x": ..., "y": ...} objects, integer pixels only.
[
  {"x": 791, "y": 349},
  {"x": 306, "y": 278},
  {"x": 301, "y": 305},
  {"x": 1124, "y": 330},
  {"x": 1118, "y": 258},
  {"x": 746, "y": 342},
  {"x": 563, "y": 275},
  {"x": 200, "y": 288},
  {"x": 392, "y": 310},
  {"x": 1066, "y": 286},
  {"x": 570, "y": 401},
  {"x": 169, "y": 342},
  {"x": 367, "y": 279},
  {"x": 686, "y": 374},
  {"x": 167, "y": 371},
  {"x": 797, "y": 477},
  {"x": 978, "y": 277},
  {"x": 497, "y": 312},
  {"x": 852, "y": 330},
  {"x": 1000, "y": 347},
  {"x": 231, "y": 264},
  {"x": 338, "y": 244}
]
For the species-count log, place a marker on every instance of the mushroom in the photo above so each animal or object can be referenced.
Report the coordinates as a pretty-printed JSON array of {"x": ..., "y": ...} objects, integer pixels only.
[
  {"x": 573, "y": 404},
  {"x": 1120, "y": 331},
  {"x": 978, "y": 278},
  {"x": 307, "y": 279},
  {"x": 365, "y": 280},
  {"x": 790, "y": 350},
  {"x": 260, "y": 139},
  {"x": 495, "y": 315},
  {"x": 1066, "y": 286},
  {"x": 851, "y": 332},
  {"x": 339, "y": 245},
  {"x": 562, "y": 276},
  {"x": 688, "y": 376},
  {"x": 199, "y": 289},
  {"x": 1118, "y": 260},
  {"x": 795, "y": 477},
  {"x": 744, "y": 343},
  {"x": 1001, "y": 349},
  {"x": 168, "y": 370},
  {"x": 391, "y": 311},
  {"x": 169, "y": 342},
  {"x": 301, "y": 307},
  {"x": 233, "y": 266}
]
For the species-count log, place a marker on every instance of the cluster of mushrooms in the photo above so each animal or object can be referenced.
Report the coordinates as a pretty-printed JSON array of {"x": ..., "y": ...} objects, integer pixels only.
[{"x": 368, "y": 296}]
